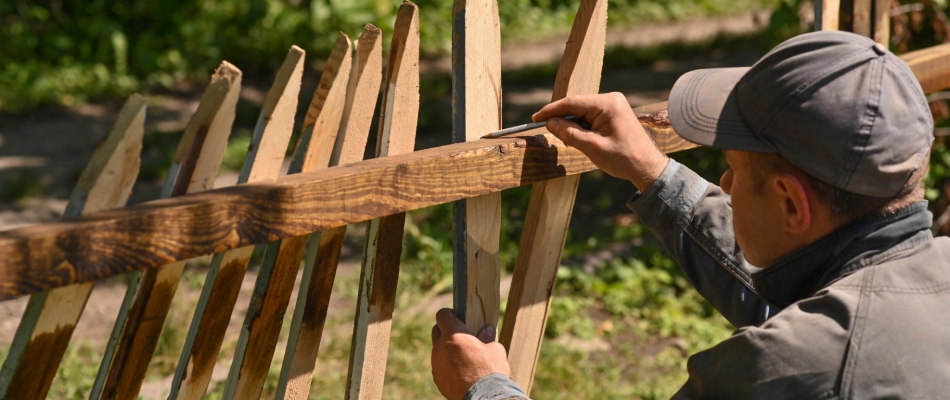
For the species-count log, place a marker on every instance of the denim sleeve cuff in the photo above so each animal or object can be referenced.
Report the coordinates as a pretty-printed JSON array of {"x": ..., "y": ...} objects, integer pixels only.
[
  {"x": 670, "y": 198},
  {"x": 495, "y": 387}
]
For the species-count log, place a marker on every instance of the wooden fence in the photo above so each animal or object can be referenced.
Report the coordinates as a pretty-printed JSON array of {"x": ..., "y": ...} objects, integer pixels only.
[{"x": 302, "y": 217}]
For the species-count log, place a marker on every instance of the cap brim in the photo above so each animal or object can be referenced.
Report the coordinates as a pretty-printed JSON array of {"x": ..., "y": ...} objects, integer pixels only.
[{"x": 703, "y": 110}]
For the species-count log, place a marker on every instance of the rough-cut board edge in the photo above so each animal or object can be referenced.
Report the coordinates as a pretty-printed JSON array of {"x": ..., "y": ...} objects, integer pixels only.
[
  {"x": 227, "y": 270},
  {"x": 380, "y": 267},
  {"x": 476, "y": 109},
  {"x": 276, "y": 121},
  {"x": 551, "y": 205},
  {"x": 363, "y": 85},
  {"x": 293, "y": 383},
  {"x": 149, "y": 297},
  {"x": 275, "y": 282},
  {"x": 50, "y": 317}
]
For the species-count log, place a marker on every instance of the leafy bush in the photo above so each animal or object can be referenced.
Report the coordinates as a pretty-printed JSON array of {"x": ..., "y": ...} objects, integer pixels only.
[{"x": 71, "y": 50}]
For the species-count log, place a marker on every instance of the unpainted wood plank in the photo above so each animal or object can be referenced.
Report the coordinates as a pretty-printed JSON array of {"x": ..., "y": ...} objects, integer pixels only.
[
  {"x": 931, "y": 66},
  {"x": 550, "y": 207},
  {"x": 862, "y": 17},
  {"x": 271, "y": 296},
  {"x": 882, "y": 22},
  {"x": 50, "y": 317},
  {"x": 829, "y": 13},
  {"x": 294, "y": 381},
  {"x": 380, "y": 267},
  {"x": 150, "y": 292},
  {"x": 476, "y": 110},
  {"x": 115, "y": 242},
  {"x": 262, "y": 163}
]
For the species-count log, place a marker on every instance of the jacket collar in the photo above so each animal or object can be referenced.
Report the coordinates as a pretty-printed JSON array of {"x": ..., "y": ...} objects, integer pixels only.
[{"x": 840, "y": 253}]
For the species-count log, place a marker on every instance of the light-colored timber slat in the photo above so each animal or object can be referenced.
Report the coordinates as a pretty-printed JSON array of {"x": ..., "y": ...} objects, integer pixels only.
[
  {"x": 150, "y": 292},
  {"x": 50, "y": 317},
  {"x": 827, "y": 15},
  {"x": 314, "y": 149},
  {"x": 882, "y": 22},
  {"x": 550, "y": 208},
  {"x": 476, "y": 110},
  {"x": 92, "y": 247},
  {"x": 380, "y": 267},
  {"x": 862, "y": 18},
  {"x": 262, "y": 163},
  {"x": 275, "y": 281}
]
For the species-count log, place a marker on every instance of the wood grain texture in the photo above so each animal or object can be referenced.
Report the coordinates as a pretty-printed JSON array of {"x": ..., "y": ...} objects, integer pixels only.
[
  {"x": 550, "y": 208},
  {"x": 149, "y": 295},
  {"x": 276, "y": 277},
  {"x": 314, "y": 295},
  {"x": 50, "y": 317},
  {"x": 882, "y": 22},
  {"x": 862, "y": 19},
  {"x": 829, "y": 11},
  {"x": 931, "y": 66},
  {"x": 476, "y": 110},
  {"x": 262, "y": 163},
  {"x": 380, "y": 268},
  {"x": 227, "y": 270}
]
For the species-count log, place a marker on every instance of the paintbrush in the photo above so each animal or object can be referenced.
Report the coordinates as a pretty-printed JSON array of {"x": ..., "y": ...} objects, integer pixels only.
[{"x": 534, "y": 125}]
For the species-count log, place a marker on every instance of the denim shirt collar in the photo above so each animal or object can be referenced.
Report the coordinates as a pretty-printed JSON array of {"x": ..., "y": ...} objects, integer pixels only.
[{"x": 840, "y": 253}]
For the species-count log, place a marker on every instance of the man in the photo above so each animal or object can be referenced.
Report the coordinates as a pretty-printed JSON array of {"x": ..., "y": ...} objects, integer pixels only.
[{"x": 816, "y": 245}]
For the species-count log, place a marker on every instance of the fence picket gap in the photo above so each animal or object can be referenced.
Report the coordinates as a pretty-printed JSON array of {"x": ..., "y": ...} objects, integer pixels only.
[
  {"x": 50, "y": 317},
  {"x": 476, "y": 110},
  {"x": 282, "y": 258},
  {"x": 550, "y": 207},
  {"x": 380, "y": 267}
]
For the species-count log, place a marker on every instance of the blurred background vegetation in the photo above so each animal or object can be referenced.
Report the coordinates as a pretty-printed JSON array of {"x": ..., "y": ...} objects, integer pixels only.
[{"x": 621, "y": 326}]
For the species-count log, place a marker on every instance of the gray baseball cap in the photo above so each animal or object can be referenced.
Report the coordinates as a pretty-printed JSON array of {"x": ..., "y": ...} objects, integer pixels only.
[{"x": 835, "y": 104}]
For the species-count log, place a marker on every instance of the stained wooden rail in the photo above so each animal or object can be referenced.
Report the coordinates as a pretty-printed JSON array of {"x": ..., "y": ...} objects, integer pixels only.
[{"x": 104, "y": 244}]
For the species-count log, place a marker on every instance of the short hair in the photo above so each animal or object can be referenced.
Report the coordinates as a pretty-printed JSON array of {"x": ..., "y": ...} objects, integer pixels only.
[{"x": 844, "y": 205}]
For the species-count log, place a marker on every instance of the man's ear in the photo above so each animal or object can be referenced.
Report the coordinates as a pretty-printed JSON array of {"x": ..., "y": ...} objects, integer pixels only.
[{"x": 796, "y": 205}]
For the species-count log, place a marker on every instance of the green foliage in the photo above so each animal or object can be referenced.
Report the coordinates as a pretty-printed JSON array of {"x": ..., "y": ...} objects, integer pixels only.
[
  {"x": 24, "y": 185},
  {"x": 72, "y": 50}
]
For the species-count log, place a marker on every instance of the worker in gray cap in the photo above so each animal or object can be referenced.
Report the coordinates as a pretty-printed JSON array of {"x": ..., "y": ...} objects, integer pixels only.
[{"x": 816, "y": 244}]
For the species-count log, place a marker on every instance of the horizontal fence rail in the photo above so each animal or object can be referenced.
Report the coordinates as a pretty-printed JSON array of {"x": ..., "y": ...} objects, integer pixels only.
[{"x": 109, "y": 243}]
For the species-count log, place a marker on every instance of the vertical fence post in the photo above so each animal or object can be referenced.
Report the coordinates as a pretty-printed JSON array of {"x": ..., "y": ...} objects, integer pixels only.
[{"x": 476, "y": 110}]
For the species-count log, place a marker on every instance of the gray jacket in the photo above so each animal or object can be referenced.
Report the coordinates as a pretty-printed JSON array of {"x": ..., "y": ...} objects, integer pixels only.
[{"x": 861, "y": 313}]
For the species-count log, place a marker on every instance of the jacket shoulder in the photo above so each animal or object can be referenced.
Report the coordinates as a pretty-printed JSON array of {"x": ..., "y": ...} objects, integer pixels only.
[{"x": 796, "y": 354}]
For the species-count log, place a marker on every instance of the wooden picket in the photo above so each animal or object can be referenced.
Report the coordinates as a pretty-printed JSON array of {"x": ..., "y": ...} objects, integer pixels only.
[{"x": 302, "y": 218}]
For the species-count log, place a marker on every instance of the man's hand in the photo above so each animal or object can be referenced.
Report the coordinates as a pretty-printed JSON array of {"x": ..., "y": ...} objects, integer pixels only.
[
  {"x": 460, "y": 359},
  {"x": 616, "y": 143}
]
